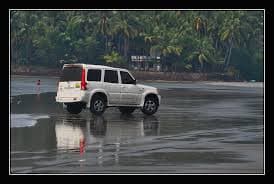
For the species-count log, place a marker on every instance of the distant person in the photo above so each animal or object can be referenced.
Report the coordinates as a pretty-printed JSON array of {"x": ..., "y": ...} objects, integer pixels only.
[
  {"x": 82, "y": 145},
  {"x": 38, "y": 86}
]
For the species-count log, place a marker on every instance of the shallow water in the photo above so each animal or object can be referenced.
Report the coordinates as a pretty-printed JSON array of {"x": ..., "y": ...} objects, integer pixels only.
[{"x": 199, "y": 128}]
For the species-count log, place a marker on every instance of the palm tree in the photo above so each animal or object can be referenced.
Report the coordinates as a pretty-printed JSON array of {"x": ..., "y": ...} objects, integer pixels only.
[
  {"x": 202, "y": 52},
  {"x": 104, "y": 28},
  {"x": 230, "y": 33},
  {"x": 123, "y": 28}
]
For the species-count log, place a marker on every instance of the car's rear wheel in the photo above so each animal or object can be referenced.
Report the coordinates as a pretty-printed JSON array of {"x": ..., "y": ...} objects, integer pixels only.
[
  {"x": 97, "y": 105},
  {"x": 74, "y": 108},
  {"x": 150, "y": 105},
  {"x": 127, "y": 110}
]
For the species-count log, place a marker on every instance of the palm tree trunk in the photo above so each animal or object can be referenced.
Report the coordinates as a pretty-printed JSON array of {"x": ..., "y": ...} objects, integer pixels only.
[
  {"x": 14, "y": 51},
  {"x": 119, "y": 44},
  {"x": 229, "y": 56},
  {"x": 225, "y": 59},
  {"x": 127, "y": 53},
  {"x": 164, "y": 64},
  {"x": 202, "y": 67},
  {"x": 216, "y": 44},
  {"x": 28, "y": 52},
  {"x": 106, "y": 44},
  {"x": 125, "y": 47}
]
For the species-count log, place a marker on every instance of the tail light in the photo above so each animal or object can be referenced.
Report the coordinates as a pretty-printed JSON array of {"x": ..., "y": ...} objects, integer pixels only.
[{"x": 83, "y": 81}]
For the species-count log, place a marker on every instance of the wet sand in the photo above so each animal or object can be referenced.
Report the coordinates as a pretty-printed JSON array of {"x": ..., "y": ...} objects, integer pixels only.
[{"x": 199, "y": 128}]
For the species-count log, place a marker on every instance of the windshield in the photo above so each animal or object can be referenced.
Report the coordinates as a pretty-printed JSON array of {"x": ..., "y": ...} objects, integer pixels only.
[
  {"x": 71, "y": 74},
  {"x": 126, "y": 78}
]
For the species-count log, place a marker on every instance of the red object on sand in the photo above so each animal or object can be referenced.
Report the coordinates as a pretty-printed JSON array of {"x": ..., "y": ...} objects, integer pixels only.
[{"x": 82, "y": 145}]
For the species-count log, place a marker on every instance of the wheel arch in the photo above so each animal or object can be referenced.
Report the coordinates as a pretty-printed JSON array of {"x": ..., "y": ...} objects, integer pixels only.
[
  {"x": 154, "y": 95},
  {"x": 95, "y": 93}
]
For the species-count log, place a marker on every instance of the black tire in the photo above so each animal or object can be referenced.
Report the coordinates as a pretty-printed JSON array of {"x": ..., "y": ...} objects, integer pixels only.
[
  {"x": 127, "y": 110},
  {"x": 74, "y": 108},
  {"x": 97, "y": 105},
  {"x": 150, "y": 106}
]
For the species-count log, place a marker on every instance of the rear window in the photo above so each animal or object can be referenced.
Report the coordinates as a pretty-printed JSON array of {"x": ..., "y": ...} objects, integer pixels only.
[
  {"x": 71, "y": 74},
  {"x": 111, "y": 76},
  {"x": 94, "y": 75}
]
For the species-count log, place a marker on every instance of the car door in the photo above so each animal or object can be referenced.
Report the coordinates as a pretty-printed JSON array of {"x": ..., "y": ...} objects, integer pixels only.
[
  {"x": 112, "y": 86},
  {"x": 130, "y": 93}
]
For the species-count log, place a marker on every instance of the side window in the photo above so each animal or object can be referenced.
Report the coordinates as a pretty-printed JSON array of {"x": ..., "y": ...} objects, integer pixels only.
[
  {"x": 126, "y": 78},
  {"x": 94, "y": 75},
  {"x": 111, "y": 76}
]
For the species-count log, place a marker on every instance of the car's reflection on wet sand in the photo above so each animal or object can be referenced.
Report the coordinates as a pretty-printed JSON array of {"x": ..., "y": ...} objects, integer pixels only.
[
  {"x": 74, "y": 130},
  {"x": 65, "y": 136}
]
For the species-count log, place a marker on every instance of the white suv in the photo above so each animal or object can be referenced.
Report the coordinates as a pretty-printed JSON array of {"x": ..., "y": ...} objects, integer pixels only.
[{"x": 97, "y": 87}]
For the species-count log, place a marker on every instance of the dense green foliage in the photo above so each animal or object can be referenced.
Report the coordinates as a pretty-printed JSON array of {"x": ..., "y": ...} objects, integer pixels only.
[{"x": 196, "y": 41}]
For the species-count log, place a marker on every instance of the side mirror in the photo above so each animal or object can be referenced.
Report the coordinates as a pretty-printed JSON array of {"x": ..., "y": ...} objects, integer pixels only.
[{"x": 135, "y": 81}]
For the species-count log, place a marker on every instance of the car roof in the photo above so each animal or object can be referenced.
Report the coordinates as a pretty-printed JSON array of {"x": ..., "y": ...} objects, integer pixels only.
[{"x": 90, "y": 66}]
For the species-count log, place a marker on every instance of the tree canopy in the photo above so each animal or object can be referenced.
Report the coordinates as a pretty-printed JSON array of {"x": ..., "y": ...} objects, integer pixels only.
[{"x": 196, "y": 41}]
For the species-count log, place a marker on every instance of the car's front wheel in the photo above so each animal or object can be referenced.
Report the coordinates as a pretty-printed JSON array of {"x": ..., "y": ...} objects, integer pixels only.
[
  {"x": 97, "y": 105},
  {"x": 150, "y": 105},
  {"x": 74, "y": 108},
  {"x": 127, "y": 110}
]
